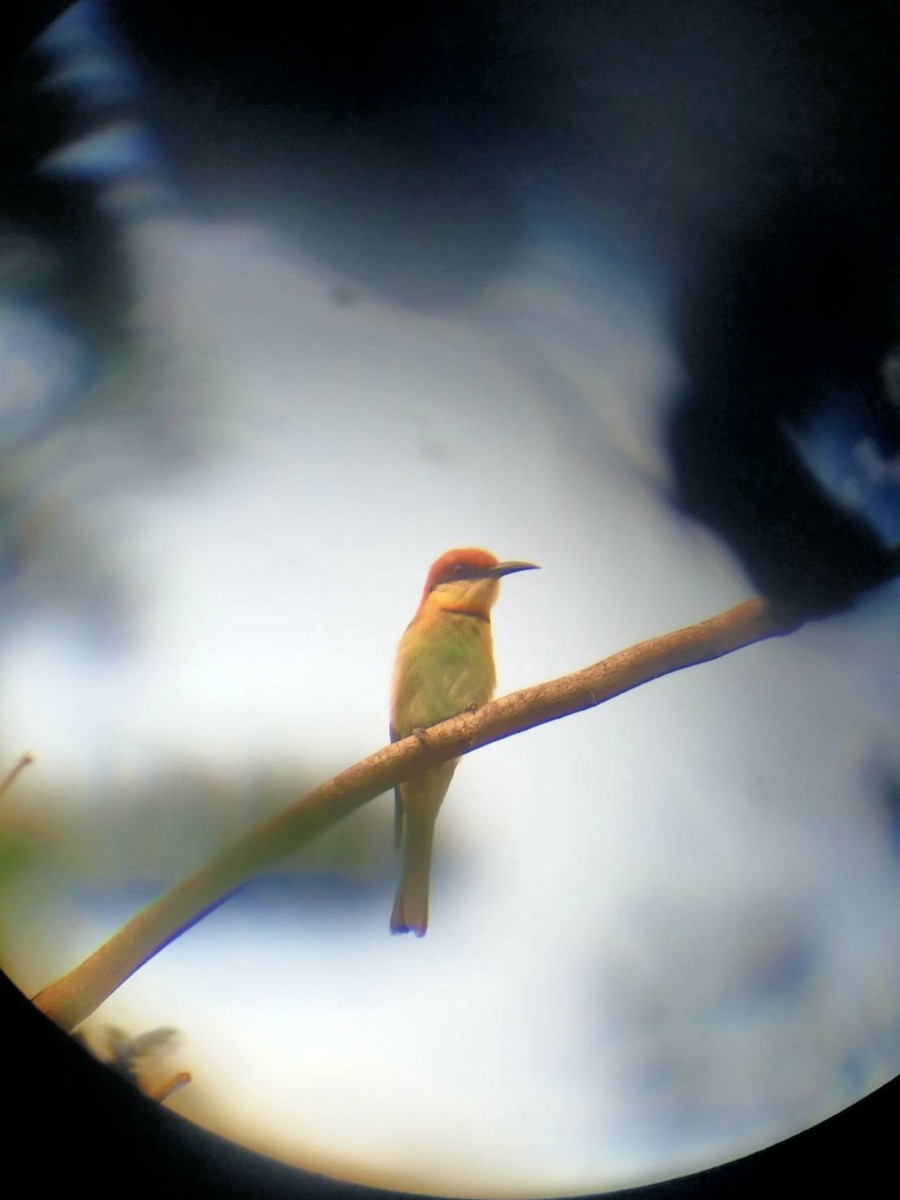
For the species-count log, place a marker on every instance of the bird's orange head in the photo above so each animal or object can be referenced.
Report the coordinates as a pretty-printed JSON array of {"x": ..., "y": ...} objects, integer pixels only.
[{"x": 466, "y": 581}]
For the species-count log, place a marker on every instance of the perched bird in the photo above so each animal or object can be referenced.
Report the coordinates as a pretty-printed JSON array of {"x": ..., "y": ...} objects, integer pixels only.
[{"x": 444, "y": 664}]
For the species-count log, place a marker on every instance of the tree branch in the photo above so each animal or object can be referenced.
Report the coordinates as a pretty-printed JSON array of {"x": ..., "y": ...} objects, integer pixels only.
[{"x": 76, "y": 995}]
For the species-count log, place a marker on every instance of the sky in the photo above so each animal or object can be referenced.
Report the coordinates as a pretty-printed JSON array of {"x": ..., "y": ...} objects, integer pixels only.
[{"x": 668, "y": 929}]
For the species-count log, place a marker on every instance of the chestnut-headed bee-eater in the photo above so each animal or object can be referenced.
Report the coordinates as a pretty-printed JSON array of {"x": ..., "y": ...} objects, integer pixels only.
[{"x": 444, "y": 665}]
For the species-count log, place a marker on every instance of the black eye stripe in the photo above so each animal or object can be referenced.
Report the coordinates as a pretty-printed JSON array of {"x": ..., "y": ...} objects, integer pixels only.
[{"x": 458, "y": 572}]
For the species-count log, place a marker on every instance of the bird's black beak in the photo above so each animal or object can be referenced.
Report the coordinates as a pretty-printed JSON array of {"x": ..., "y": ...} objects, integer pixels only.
[{"x": 508, "y": 568}]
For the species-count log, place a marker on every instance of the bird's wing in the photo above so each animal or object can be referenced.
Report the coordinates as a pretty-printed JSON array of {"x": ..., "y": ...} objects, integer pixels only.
[{"x": 398, "y": 803}]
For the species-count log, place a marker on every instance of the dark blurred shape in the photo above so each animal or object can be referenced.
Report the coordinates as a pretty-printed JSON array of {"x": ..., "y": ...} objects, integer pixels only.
[
  {"x": 133, "y": 1057},
  {"x": 377, "y": 135},
  {"x": 99, "y": 1133},
  {"x": 796, "y": 303},
  {"x": 887, "y": 790},
  {"x": 800, "y": 307},
  {"x": 21, "y": 24},
  {"x": 58, "y": 249},
  {"x": 74, "y": 420}
]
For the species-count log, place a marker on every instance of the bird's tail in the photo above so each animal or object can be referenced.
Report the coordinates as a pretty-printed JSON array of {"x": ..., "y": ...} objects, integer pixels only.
[{"x": 410, "y": 913}]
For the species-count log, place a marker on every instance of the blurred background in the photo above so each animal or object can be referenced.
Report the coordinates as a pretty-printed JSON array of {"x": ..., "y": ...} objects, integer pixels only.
[{"x": 289, "y": 309}]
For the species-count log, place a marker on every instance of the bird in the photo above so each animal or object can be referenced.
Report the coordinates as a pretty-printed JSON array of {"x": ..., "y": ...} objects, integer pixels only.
[{"x": 444, "y": 666}]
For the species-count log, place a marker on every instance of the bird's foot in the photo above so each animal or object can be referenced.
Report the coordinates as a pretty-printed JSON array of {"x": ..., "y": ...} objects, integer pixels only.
[{"x": 421, "y": 737}]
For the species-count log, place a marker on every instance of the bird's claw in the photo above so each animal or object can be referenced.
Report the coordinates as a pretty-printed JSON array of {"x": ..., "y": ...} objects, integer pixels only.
[{"x": 421, "y": 737}]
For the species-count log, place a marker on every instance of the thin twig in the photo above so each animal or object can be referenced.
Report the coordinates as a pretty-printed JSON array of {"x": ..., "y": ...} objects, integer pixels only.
[
  {"x": 170, "y": 1087},
  {"x": 76, "y": 995},
  {"x": 15, "y": 771}
]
